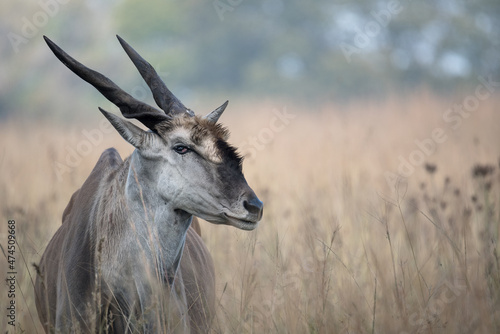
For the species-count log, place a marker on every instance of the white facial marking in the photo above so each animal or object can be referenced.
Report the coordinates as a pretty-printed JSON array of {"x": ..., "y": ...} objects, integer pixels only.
[
  {"x": 211, "y": 152},
  {"x": 207, "y": 148}
]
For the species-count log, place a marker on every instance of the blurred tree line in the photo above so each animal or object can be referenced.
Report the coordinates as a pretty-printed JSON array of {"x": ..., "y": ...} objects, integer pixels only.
[{"x": 310, "y": 51}]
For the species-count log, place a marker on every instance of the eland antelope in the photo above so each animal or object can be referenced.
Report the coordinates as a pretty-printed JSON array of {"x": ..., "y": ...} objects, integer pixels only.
[{"x": 127, "y": 258}]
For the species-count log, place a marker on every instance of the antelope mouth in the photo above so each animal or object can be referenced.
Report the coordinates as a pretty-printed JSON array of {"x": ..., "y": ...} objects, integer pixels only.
[{"x": 241, "y": 223}]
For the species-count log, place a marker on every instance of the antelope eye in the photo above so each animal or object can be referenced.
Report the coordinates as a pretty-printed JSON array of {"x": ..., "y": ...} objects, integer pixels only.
[{"x": 181, "y": 149}]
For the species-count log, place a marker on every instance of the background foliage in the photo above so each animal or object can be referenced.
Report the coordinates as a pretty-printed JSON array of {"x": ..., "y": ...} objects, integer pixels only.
[
  {"x": 365, "y": 85},
  {"x": 310, "y": 51}
]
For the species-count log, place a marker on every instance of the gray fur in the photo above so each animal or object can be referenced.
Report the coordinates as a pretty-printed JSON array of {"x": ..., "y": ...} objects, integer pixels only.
[{"x": 126, "y": 258}]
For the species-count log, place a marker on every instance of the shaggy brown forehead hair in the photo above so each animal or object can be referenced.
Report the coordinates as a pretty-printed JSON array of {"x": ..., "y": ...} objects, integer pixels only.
[{"x": 201, "y": 129}]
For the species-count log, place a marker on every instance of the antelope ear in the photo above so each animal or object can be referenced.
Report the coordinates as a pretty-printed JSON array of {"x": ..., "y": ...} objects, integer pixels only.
[{"x": 131, "y": 133}]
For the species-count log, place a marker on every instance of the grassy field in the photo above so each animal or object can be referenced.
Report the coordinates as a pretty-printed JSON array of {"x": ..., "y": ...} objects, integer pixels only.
[{"x": 345, "y": 246}]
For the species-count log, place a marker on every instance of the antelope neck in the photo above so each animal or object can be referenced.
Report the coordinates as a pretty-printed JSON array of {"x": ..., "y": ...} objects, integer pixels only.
[{"x": 161, "y": 228}]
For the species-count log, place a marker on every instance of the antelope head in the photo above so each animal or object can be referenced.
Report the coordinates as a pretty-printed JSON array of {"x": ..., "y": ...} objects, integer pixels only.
[{"x": 184, "y": 158}]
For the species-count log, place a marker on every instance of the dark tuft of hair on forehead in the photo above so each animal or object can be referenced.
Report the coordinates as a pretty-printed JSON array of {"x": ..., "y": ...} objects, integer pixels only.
[{"x": 229, "y": 154}]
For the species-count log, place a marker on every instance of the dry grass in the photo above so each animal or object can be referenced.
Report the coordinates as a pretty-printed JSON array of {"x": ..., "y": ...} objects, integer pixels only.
[{"x": 339, "y": 249}]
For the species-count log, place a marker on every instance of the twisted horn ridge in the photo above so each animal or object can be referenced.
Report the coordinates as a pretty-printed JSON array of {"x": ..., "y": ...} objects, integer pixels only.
[
  {"x": 129, "y": 106},
  {"x": 162, "y": 95}
]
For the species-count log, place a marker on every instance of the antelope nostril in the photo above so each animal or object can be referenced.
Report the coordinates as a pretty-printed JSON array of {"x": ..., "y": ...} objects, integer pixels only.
[{"x": 254, "y": 206}]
